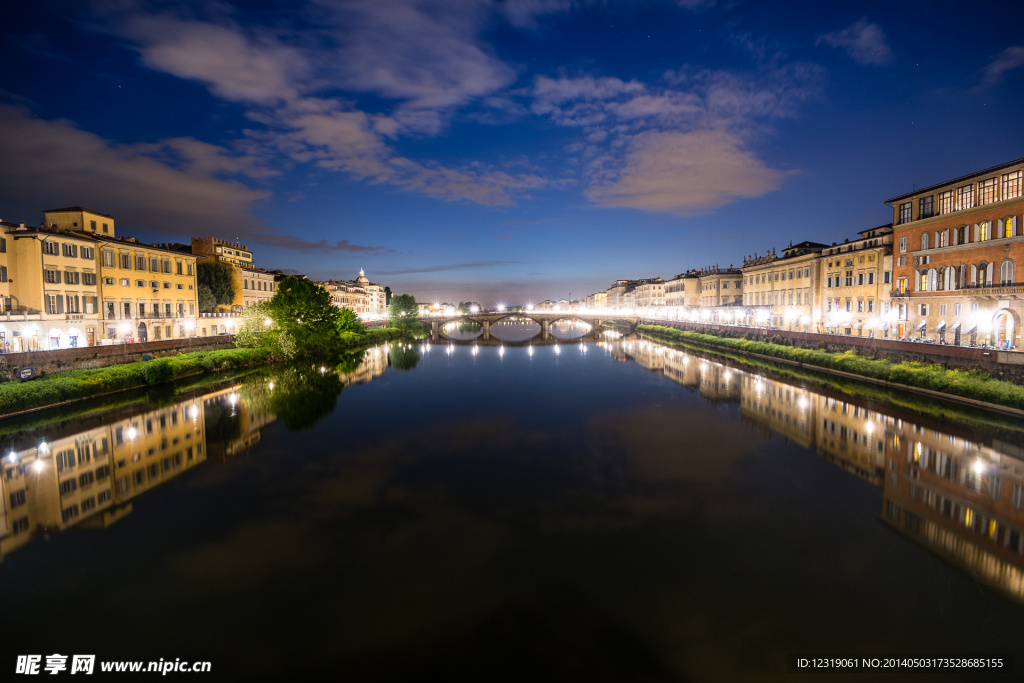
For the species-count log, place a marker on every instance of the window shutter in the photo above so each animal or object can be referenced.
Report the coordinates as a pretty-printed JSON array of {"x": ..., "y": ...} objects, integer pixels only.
[
  {"x": 3, "y": 273},
  {"x": 95, "y": 304},
  {"x": 1013, "y": 227},
  {"x": 988, "y": 280},
  {"x": 60, "y": 303},
  {"x": 3, "y": 245},
  {"x": 976, "y": 232},
  {"x": 974, "y": 274},
  {"x": 78, "y": 308}
]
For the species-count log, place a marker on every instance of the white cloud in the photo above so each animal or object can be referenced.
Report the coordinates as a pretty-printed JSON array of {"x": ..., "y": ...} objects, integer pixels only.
[
  {"x": 685, "y": 172},
  {"x": 863, "y": 41},
  {"x": 679, "y": 146},
  {"x": 1009, "y": 59}
]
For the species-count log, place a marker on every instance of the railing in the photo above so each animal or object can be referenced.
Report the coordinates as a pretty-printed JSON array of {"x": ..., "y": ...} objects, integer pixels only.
[
  {"x": 899, "y": 295},
  {"x": 993, "y": 289}
]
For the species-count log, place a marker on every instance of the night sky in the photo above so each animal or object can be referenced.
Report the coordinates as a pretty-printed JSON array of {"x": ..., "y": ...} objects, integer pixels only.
[{"x": 504, "y": 152}]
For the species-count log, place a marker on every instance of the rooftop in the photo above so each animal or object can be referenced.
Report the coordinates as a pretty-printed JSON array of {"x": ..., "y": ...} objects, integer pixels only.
[
  {"x": 78, "y": 208},
  {"x": 956, "y": 180}
]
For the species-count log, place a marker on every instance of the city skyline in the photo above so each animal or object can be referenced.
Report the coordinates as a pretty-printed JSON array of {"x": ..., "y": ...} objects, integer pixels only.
[{"x": 500, "y": 152}]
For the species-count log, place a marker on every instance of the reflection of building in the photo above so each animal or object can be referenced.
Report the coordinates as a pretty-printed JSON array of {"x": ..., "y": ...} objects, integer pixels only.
[
  {"x": 87, "y": 474},
  {"x": 151, "y": 448},
  {"x": 962, "y": 500},
  {"x": 782, "y": 408},
  {"x": 234, "y": 420},
  {"x": 851, "y": 437}
]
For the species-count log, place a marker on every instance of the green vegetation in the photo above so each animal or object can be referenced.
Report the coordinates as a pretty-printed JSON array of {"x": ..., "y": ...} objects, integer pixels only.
[
  {"x": 467, "y": 307},
  {"x": 216, "y": 287},
  {"x": 403, "y": 310},
  {"x": 974, "y": 384},
  {"x": 76, "y": 384}
]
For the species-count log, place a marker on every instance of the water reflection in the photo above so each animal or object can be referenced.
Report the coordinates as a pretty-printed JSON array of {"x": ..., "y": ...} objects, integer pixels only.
[
  {"x": 958, "y": 493},
  {"x": 87, "y": 473}
]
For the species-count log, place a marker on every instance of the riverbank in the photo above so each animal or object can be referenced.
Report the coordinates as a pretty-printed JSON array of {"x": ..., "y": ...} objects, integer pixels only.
[
  {"x": 973, "y": 387},
  {"x": 75, "y": 385}
]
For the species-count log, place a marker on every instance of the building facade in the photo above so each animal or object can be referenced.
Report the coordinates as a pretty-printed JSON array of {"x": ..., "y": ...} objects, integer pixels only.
[
  {"x": 783, "y": 292},
  {"x": 856, "y": 280},
  {"x": 683, "y": 291},
  {"x": 957, "y": 246},
  {"x": 721, "y": 287},
  {"x": 48, "y": 282},
  {"x": 252, "y": 284}
]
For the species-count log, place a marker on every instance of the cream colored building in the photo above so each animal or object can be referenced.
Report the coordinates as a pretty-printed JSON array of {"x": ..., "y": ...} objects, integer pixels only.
[
  {"x": 782, "y": 292},
  {"x": 649, "y": 294},
  {"x": 49, "y": 290},
  {"x": 252, "y": 284},
  {"x": 146, "y": 292},
  {"x": 856, "y": 279},
  {"x": 683, "y": 291}
]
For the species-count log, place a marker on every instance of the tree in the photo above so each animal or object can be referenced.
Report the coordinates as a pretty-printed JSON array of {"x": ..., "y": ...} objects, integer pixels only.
[
  {"x": 403, "y": 356},
  {"x": 468, "y": 307},
  {"x": 254, "y": 326},
  {"x": 217, "y": 276},
  {"x": 403, "y": 310},
  {"x": 304, "y": 320},
  {"x": 206, "y": 298},
  {"x": 348, "y": 321}
]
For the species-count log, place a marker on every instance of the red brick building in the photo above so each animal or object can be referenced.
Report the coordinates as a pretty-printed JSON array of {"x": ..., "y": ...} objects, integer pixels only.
[{"x": 958, "y": 245}]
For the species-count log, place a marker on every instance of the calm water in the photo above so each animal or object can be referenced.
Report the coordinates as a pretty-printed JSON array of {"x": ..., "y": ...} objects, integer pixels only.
[{"x": 617, "y": 511}]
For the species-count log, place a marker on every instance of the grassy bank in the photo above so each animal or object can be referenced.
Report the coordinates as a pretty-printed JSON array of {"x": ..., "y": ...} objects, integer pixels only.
[
  {"x": 74, "y": 384},
  {"x": 972, "y": 384},
  {"x": 369, "y": 337}
]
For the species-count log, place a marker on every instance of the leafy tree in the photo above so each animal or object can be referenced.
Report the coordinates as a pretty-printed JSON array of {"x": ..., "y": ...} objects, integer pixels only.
[
  {"x": 218, "y": 277},
  {"x": 206, "y": 298},
  {"x": 304, "y": 320},
  {"x": 348, "y": 321},
  {"x": 403, "y": 356},
  {"x": 254, "y": 327},
  {"x": 468, "y": 307},
  {"x": 403, "y": 310}
]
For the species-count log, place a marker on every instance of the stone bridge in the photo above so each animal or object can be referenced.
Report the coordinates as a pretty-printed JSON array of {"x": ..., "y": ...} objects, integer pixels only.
[{"x": 598, "y": 323}]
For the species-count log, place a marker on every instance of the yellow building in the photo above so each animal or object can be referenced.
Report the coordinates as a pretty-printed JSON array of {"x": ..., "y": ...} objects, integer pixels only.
[
  {"x": 48, "y": 285},
  {"x": 856, "y": 278},
  {"x": 784, "y": 292},
  {"x": 146, "y": 292},
  {"x": 649, "y": 294},
  {"x": 252, "y": 284},
  {"x": 683, "y": 291}
]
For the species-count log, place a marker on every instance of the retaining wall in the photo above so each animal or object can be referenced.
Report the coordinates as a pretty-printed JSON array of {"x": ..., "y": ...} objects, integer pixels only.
[
  {"x": 87, "y": 357},
  {"x": 1005, "y": 365}
]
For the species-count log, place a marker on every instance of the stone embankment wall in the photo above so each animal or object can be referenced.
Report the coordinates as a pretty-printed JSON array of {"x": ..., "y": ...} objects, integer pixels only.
[
  {"x": 1004, "y": 365},
  {"x": 87, "y": 357}
]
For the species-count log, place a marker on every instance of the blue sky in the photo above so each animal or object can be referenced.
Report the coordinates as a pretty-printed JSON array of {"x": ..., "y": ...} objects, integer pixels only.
[{"x": 504, "y": 152}]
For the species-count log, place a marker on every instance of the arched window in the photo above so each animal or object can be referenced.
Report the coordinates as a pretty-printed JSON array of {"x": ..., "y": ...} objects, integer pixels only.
[
  {"x": 1006, "y": 272},
  {"x": 940, "y": 279},
  {"x": 961, "y": 276},
  {"x": 1007, "y": 225},
  {"x": 923, "y": 281},
  {"x": 924, "y": 241},
  {"x": 961, "y": 235},
  {"x": 245, "y": 284},
  {"x": 943, "y": 239},
  {"x": 984, "y": 231},
  {"x": 982, "y": 274},
  {"x": 932, "y": 280}
]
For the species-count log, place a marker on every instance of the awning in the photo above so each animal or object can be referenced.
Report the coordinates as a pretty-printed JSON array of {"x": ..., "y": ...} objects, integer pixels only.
[
  {"x": 921, "y": 325},
  {"x": 954, "y": 326},
  {"x": 970, "y": 328},
  {"x": 858, "y": 325},
  {"x": 939, "y": 327}
]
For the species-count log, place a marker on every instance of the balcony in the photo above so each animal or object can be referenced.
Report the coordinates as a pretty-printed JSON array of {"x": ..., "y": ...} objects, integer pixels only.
[
  {"x": 899, "y": 295},
  {"x": 1007, "y": 290}
]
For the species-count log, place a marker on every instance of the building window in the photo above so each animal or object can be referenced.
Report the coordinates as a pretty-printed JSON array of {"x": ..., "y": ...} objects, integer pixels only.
[
  {"x": 140, "y": 263},
  {"x": 126, "y": 261},
  {"x": 181, "y": 286},
  {"x": 986, "y": 191},
  {"x": 903, "y": 245},
  {"x": 154, "y": 264},
  {"x": 1006, "y": 272},
  {"x": 189, "y": 267},
  {"x": 1012, "y": 184},
  {"x": 167, "y": 266},
  {"x": 71, "y": 277},
  {"x": 906, "y": 209},
  {"x": 957, "y": 309},
  {"x": 167, "y": 285},
  {"x": 124, "y": 282},
  {"x": 860, "y": 306},
  {"x": 179, "y": 264},
  {"x": 51, "y": 277},
  {"x": 926, "y": 207},
  {"x": 922, "y": 309},
  {"x": 942, "y": 309},
  {"x": 924, "y": 241},
  {"x": 946, "y": 201},
  {"x": 871, "y": 278},
  {"x": 108, "y": 259},
  {"x": 51, "y": 248},
  {"x": 984, "y": 229},
  {"x": 71, "y": 250},
  {"x": 140, "y": 283},
  {"x": 88, "y": 253},
  {"x": 871, "y": 305},
  {"x": 108, "y": 280},
  {"x": 965, "y": 197},
  {"x": 923, "y": 281}
]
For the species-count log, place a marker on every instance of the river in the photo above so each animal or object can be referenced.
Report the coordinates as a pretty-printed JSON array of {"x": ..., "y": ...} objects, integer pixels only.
[{"x": 568, "y": 510}]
